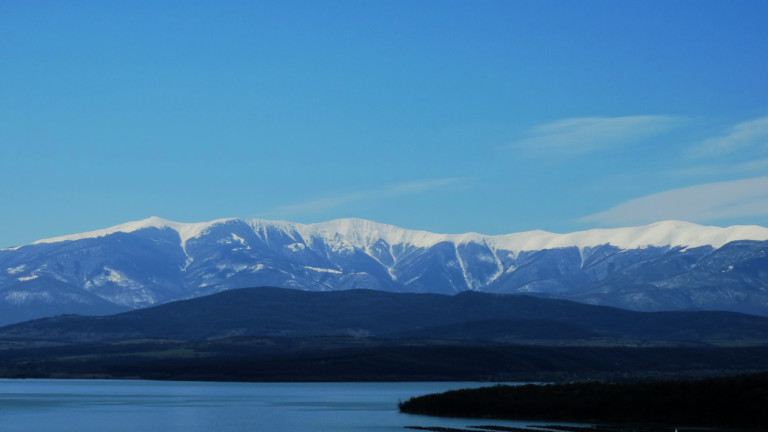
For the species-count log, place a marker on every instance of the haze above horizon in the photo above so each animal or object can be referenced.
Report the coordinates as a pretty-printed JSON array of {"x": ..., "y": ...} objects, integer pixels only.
[{"x": 445, "y": 116}]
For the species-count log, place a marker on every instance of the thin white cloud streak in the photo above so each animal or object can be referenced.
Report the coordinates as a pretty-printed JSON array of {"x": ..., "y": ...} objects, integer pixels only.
[
  {"x": 744, "y": 168},
  {"x": 391, "y": 191},
  {"x": 701, "y": 203},
  {"x": 750, "y": 137},
  {"x": 581, "y": 135}
]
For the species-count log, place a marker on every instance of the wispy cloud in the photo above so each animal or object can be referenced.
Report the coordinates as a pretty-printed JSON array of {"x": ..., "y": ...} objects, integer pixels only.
[
  {"x": 701, "y": 203},
  {"x": 390, "y": 191},
  {"x": 750, "y": 138},
  {"x": 754, "y": 166},
  {"x": 575, "y": 136},
  {"x": 740, "y": 150}
]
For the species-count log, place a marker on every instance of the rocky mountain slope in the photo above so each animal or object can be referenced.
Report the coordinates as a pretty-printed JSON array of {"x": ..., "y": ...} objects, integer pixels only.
[{"x": 664, "y": 266}]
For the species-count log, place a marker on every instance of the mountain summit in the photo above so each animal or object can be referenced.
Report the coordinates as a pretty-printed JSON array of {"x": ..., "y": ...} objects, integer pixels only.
[{"x": 668, "y": 265}]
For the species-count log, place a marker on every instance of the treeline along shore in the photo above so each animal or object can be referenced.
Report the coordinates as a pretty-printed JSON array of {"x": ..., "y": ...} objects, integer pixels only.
[{"x": 731, "y": 402}]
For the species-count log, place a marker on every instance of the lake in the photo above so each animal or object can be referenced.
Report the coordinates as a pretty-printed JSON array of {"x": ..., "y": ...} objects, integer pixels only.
[{"x": 155, "y": 406}]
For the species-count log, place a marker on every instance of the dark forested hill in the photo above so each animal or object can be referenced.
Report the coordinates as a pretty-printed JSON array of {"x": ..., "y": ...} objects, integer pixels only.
[{"x": 277, "y": 312}]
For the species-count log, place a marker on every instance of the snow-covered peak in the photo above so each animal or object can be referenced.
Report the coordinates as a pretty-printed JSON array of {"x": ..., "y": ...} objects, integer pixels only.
[
  {"x": 665, "y": 233},
  {"x": 186, "y": 230},
  {"x": 363, "y": 233},
  {"x": 359, "y": 232}
]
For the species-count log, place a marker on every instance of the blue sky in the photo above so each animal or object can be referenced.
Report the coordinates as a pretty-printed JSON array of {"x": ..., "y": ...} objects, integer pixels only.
[{"x": 448, "y": 116}]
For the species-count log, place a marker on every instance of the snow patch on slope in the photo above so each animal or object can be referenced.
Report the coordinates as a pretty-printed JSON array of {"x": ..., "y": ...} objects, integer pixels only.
[
  {"x": 111, "y": 276},
  {"x": 17, "y": 269},
  {"x": 24, "y": 297},
  {"x": 323, "y": 270}
]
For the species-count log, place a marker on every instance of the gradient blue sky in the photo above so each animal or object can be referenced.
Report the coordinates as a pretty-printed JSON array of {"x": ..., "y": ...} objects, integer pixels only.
[{"x": 448, "y": 116}]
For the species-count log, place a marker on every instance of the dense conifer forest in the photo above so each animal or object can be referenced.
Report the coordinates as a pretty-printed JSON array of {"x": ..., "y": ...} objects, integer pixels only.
[{"x": 739, "y": 401}]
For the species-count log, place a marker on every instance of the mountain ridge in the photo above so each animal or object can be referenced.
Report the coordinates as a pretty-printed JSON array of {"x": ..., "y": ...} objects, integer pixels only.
[
  {"x": 663, "y": 233},
  {"x": 669, "y": 265}
]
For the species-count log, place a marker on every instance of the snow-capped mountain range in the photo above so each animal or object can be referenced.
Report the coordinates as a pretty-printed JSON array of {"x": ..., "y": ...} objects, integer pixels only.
[{"x": 668, "y": 265}]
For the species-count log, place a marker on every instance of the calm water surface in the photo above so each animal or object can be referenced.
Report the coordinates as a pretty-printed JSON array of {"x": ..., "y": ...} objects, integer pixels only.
[{"x": 152, "y": 406}]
